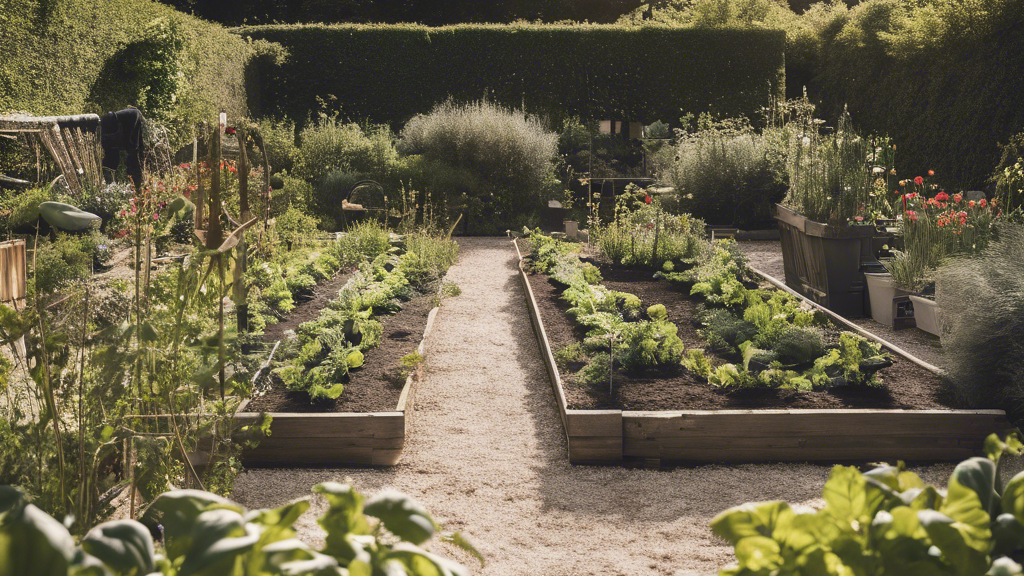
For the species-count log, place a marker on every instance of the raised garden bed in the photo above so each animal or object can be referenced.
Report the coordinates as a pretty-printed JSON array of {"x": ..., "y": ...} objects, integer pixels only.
[
  {"x": 678, "y": 418},
  {"x": 367, "y": 425}
]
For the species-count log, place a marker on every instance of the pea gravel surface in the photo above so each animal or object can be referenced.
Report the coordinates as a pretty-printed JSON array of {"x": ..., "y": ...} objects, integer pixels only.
[{"x": 487, "y": 457}]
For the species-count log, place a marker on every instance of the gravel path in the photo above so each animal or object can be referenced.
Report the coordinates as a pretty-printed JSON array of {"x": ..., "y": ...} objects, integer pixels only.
[
  {"x": 766, "y": 256},
  {"x": 487, "y": 456}
]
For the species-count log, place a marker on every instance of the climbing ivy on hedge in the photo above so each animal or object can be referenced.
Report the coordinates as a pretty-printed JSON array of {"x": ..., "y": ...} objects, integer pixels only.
[
  {"x": 389, "y": 73},
  {"x": 74, "y": 56}
]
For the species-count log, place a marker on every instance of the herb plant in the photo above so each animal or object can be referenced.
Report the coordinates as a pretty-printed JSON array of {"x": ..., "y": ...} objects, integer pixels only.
[{"x": 202, "y": 533}]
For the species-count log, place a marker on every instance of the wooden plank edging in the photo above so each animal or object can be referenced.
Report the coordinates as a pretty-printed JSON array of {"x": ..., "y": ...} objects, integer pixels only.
[
  {"x": 794, "y": 435},
  {"x": 593, "y": 436}
]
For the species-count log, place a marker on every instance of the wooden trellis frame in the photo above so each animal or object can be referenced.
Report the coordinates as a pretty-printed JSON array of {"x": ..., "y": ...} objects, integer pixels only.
[{"x": 72, "y": 141}]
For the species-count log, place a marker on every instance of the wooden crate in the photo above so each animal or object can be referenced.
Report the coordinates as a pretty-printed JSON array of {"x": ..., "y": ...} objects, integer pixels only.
[
  {"x": 337, "y": 439},
  {"x": 13, "y": 272},
  {"x": 800, "y": 435}
]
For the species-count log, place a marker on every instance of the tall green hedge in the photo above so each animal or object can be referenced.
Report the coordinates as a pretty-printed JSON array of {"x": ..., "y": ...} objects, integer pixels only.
[
  {"x": 73, "y": 56},
  {"x": 946, "y": 109},
  {"x": 389, "y": 73}
]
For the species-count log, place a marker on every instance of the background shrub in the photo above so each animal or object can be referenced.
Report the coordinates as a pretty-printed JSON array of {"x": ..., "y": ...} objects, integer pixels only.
[
  {"x": 726, "y": 173},
  {"x": 65, "y": 260},
  {"x": 330, "y": 145},
  {"x": 279, "y": 137},
  {"x": 509, "y": 153},
  {"x": 20, "y": 210},
  {"x": 983, "y": 320}
]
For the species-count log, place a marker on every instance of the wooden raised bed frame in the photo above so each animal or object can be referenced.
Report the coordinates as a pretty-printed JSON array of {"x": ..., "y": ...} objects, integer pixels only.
[
  {"x": 798, "y": 435},
  {"x": 337, "y": 439}
]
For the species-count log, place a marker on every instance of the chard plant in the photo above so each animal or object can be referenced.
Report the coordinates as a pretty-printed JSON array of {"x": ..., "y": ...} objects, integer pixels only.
[{"x": 888, "y": 521}]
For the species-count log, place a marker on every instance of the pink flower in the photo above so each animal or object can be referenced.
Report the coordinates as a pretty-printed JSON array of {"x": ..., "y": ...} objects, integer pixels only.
[
  {"x": 958, "y": 197},
  {"x": 919, "y": 181},
  {"x": 942, "y": 196},
  {"x": 156, "y": 216},
  {"x": 983, "y": 202},
  {"x": 912, "y": 215},
  {"x": 858, "y": 218}
]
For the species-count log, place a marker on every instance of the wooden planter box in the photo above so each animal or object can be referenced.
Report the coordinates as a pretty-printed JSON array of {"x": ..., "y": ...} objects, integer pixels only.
[
  {"x": 617, "y": 436},
  {"x": 337, "y": 439},
  {"x": 823, "y": 262}
]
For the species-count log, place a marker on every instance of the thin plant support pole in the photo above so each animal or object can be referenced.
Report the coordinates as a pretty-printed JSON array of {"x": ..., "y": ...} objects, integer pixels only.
[
  {"x": 83, "y": 477},
  {"x": 611, "y": 363},
  {"x": 257, "y": 138},
  {"x": 241, "y": 292},
  {"x": 657, "y": 232},
  {"x": 215, "y": 234},
  {"x": 137, "y": 372},
  {"x": 221, "y": 352},
  {"x": 51, "y": 401},
  {"x": 200, "y": 186}
]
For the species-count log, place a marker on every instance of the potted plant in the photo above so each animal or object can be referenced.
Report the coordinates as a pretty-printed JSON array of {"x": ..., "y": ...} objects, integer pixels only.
[
  {"x": 934, "y": 229},
  {"x": 838, "y": 187}
]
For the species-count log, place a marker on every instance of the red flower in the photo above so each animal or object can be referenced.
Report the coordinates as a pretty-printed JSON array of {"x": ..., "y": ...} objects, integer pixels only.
[
  {"x": 647, "y": 199},
  {"x": 971, "y": 203},
  {"x": 910, "y": 196},
  {"x": 919, "y": 181},
  {"x": 958, "y": 197},
  {"x": 942, "y": 196},
  {"x": 912, "y": 215},
  {"x": 982, "y": 202},
  {"x": 931, "y": 172},
  {"x": 229, "y": 130}
]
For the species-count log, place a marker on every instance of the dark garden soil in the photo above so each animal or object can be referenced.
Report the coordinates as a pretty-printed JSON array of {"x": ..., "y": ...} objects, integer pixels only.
[
  {"x": 376, "y": 386},
  {"x": 906, "y": 385}
]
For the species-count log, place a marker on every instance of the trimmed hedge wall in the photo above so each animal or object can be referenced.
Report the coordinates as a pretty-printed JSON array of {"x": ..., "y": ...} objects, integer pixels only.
[
  {"x": 74, "y": 56},
  {"x": 389, "y": 73}
]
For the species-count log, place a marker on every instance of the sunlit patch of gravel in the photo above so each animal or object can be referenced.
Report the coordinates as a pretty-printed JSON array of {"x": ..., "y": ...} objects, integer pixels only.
[{"x": 487, "y": 456}]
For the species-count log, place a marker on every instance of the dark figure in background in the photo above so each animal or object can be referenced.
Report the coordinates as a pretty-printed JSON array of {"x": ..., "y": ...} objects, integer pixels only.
[{"x": 122, "y": 130}]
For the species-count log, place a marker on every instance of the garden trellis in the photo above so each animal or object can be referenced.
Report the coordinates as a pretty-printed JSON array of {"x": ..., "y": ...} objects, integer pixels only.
[{"x": 72, "y": 141}]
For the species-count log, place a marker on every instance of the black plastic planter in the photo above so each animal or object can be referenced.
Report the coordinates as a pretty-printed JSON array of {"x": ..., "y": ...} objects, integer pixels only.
[{"x": 824, "y": 262}]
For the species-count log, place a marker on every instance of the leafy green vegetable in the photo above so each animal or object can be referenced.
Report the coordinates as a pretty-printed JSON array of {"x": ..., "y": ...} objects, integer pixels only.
[{"x": 885, "y": 521}]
